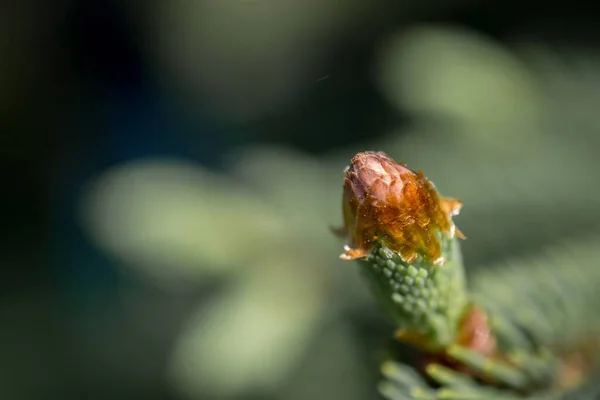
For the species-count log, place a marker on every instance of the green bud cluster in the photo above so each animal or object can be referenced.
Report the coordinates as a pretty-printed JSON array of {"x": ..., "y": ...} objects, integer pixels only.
[{"x": 423, "y": 298}]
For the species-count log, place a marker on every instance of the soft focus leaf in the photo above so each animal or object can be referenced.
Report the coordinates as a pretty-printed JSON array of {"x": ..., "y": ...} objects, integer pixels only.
[{"x": 174, "y": 218}]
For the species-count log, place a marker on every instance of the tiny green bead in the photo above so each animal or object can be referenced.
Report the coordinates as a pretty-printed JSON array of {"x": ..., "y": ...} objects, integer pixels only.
[
  {"x": 412, "y": 271},
  {"x": 386, "y": 253},
  {"x": 398, "y": 298}
]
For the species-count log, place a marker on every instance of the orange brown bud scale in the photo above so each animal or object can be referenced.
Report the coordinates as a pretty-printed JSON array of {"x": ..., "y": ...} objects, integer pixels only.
[{"x": 387, "y": 203}]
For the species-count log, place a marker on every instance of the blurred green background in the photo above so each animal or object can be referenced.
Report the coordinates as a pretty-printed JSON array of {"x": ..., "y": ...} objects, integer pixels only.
[{"x": 172, "y": 170}]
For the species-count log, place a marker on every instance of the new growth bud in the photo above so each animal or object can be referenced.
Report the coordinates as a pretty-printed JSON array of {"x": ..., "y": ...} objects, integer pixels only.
[{"x": 387, "y": 204}]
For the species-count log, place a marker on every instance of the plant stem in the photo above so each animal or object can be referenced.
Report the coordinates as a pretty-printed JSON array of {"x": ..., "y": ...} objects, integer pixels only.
[{"x": 427, "y": 301}]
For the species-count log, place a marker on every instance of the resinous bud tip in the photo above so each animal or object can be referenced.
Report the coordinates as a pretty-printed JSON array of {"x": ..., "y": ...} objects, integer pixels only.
[{"x": 387, "y": 203}]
